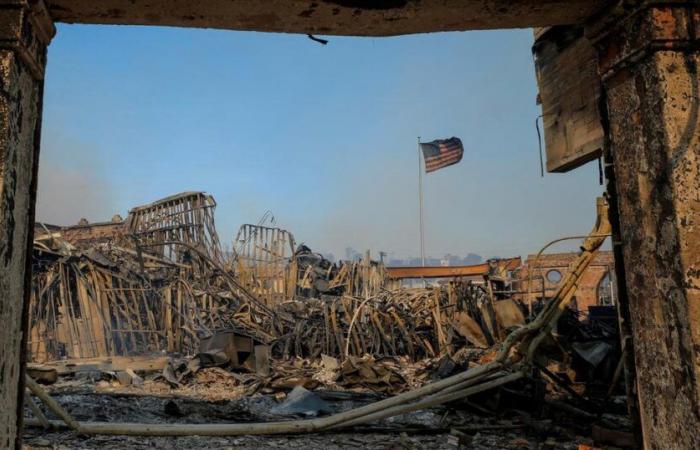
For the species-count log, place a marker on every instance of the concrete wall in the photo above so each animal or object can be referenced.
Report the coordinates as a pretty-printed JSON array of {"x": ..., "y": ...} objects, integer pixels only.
[{"x": 648, "y": 60}]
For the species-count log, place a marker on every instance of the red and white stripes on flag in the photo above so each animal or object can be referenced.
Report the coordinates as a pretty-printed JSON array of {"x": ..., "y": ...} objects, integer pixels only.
[{"x": 441, "y": 153}]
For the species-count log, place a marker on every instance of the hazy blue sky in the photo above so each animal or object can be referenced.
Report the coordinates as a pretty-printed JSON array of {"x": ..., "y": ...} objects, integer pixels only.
[{"x": 323, "y": 136}]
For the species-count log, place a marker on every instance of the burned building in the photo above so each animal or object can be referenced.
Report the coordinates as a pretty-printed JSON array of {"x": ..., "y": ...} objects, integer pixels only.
[
  {"x": 539, "y": 277},
  {"x": 159, "y": 281},
  {"x": 157, "y": 305}
]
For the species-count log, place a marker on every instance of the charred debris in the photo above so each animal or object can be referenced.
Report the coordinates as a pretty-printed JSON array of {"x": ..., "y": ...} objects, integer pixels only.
[{"x": 152, "y": 309}]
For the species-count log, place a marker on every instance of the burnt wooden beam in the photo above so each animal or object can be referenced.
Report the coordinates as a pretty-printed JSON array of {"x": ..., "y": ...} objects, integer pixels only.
[{"x": 330, "y": 17}]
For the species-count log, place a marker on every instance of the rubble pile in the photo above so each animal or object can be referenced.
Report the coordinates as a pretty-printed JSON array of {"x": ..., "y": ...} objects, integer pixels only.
[
  {"x": 163, "y": 284},
  {"x": 158, "y": 309},
  {"x": 109, "y": 300},
  {"x": 525, "y": 415},
  {"x": 419, "y": 323}
]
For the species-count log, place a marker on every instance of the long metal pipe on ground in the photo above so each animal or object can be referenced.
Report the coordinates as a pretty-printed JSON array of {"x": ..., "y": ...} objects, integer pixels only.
[
  {"x": 287, "y": 427},
  {"x": 434, "y": 400},
  {"x": 292, "y": 427}
]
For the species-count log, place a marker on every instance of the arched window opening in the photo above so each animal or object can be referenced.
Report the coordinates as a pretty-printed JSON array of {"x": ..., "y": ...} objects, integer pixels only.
[{"x": 606, "y": 290}]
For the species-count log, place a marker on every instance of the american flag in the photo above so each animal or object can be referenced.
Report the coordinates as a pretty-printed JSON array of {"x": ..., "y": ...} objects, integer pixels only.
[{"x": 441, "y": 153}]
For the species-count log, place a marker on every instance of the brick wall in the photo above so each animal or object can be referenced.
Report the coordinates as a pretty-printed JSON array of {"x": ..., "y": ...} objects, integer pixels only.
[{"x": 532, "y": 274}]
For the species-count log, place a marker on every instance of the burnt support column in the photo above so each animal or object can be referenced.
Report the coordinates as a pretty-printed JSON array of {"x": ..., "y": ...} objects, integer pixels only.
[
  {"x": 648, "y": 59},
  {"x": 25, "y": 31}
]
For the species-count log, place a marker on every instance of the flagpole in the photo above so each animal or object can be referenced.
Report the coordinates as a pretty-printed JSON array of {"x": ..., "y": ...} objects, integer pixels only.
[{"x": 420, "y": 203}]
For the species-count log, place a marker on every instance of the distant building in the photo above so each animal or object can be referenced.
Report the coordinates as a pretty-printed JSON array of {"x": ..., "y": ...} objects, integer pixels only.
[
  {"x": 542, "y": 278},
  {"x": 471, "y": 259},
  {"x": 85, "y": 232},
  {"x": 352, "y": 255}
]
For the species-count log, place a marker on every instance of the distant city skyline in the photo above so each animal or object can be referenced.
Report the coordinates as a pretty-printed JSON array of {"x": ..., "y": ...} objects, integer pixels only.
[{"x": 392, "y": 259}]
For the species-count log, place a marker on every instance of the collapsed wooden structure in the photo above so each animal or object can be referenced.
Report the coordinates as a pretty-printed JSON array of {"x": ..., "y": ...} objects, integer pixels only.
[
  {"x": 518, "y": 357},
  {"x": 159, "y": 281}
]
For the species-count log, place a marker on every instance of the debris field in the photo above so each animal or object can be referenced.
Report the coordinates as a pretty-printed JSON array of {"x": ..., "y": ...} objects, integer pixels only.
[{"x": 149, "y": 321}]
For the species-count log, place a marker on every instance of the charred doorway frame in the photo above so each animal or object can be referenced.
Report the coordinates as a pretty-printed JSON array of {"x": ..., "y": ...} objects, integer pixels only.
[{"x": 648, "y": 56}]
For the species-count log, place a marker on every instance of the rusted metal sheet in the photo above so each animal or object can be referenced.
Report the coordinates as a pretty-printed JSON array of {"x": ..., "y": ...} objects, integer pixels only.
[{"x": 508, "y": 313}]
